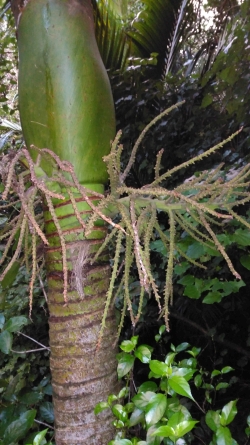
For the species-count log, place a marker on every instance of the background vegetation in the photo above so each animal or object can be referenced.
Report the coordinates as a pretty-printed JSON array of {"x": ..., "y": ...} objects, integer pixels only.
[{"x": 206, "y": 63}]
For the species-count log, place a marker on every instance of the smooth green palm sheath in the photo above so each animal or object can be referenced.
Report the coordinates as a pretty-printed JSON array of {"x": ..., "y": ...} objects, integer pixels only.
[
  {"x": 66, "y": 106},
  {"x": 65, "y": 99}
]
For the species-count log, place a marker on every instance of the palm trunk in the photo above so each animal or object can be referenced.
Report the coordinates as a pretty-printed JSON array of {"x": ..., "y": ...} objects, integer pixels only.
[
  {"x": 66, "y": 106},
  {"x": 81, "y": 375}
]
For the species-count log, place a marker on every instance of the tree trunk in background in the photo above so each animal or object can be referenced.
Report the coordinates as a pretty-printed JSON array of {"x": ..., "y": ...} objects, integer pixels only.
[{"x": 66, "y": 106}]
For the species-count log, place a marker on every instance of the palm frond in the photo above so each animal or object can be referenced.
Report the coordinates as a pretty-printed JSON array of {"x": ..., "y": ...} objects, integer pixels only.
[
  {"x": 4, "y": 8},
  {"x": 160, "y": 28},
  {"x": 110, "y": 35},
  {"x": 7, "y": 131}
]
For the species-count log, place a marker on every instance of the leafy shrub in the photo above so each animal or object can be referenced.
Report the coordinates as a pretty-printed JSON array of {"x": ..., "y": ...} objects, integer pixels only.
[{"x": 161, "y": 409}]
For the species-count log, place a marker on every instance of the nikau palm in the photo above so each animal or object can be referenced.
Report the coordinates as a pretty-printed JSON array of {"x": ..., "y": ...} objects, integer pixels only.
[
  {"x": 67, "y": 117},
  {"x": 66, "y": 106}
]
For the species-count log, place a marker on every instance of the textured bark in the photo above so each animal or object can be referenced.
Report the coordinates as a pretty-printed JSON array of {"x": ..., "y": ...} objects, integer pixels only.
[{"x": 81, "y": 375}]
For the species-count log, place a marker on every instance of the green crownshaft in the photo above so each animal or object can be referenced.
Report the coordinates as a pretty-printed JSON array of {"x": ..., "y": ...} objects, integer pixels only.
[{"x": 65, "y": 98}]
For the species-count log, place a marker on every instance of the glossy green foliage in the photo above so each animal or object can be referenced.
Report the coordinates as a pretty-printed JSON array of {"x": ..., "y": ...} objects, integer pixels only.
[
  {"x": 65, "y": 99},
  {"x": 161, "y": 407},
  {"x": 39, "y": 439}
]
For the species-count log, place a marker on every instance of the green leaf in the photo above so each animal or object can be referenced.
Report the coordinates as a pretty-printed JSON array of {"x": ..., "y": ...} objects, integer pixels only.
[
  {"x": 180, "y": 386},
  {"x": 158, "y": 367},
  {"x": 14, "y": 324},
  {"x": 10, "y": 275},
  {"x": 164, "y": 431},
  {"x": 47, "y": 412},
  {"x": 195, "y": 250},
  {"x": 39, "y": 437},
  {"x": 194, "y": 351},
  {"x": 228, "y": 413},
  {"x": 245, "y": 261},
  {"x": 119, "y": 412},
  {"x": 148, "y": 386},
  {"x": 136, "y": 417},
  {"x": 155, "y": 409},
  {"x": 247, "y": 431},
  {"x": 207, "y": 100},
  {"x": 181, "y": 268},
  {"x": 100, "y": 407},
  {"x": 192, "y": 291},
  {"x": 222, "y": 385},
  {"x": 184, "y": 427},
  {"x": 170, "y": 358},
  {"x": 212, "y": 297},
  {"x": 118, "y": 423},
  {"x": 215, "y": 373},
  {"x": 143, "y": 353},
  {"x": 6, "y": 339},
  {"x": 17, "y": 429},
  {"x": 187, "y": 280},
  {"x": 134, "y": 339},
  {"x": 127, "y": 346},
  {"x": 30, "y": 397},
  {"x": 226, "y": 369},
  {"x": 162, "y": 329},
  {"x": 176, "y": 418},
  {"x": 182, "y": 347},
  {"x": 198, "y": 380},
  {"x": 112, "y": 398},
  {"x": 187, "y": 373},
  {"x": 125, "y": 364},
  {"x": 213, "y": 420},
  {"x": 223, "y": 436},
  {"x": 190, "y": 363},
  {"x": 123, "y": 393},
  {"x": 129, "y": 407},
  {"x": 242, "y": 237},
  {"x": 142, "y": 399},
  {"x": 159, "y": 247}
]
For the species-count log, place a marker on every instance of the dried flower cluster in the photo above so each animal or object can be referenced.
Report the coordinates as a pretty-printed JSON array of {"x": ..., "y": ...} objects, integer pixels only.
[{"x": 195, "y": 206}]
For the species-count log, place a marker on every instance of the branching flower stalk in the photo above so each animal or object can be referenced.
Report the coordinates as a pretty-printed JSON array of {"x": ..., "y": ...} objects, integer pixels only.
[{"x": 132, "y": 214}]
